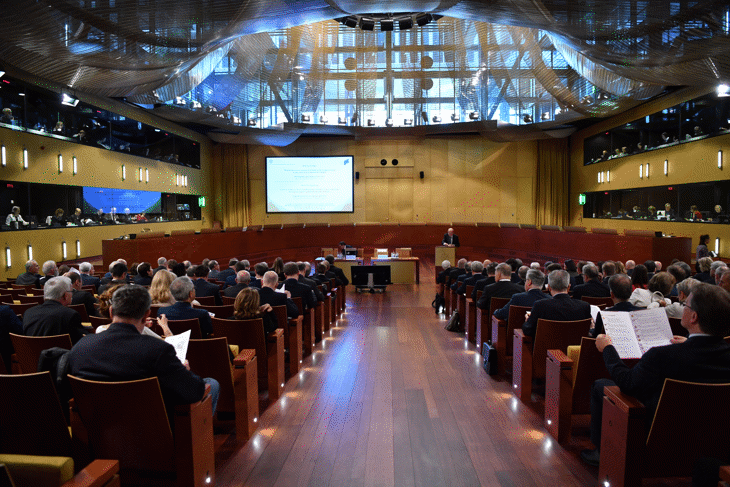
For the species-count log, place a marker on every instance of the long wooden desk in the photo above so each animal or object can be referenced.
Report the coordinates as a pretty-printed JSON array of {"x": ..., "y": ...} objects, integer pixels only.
[
  {"x": 403, "y": 270},
  {"x": 295, "y": 243}
]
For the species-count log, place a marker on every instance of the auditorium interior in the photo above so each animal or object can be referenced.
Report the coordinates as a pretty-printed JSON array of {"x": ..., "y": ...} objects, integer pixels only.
[{"x": 545, "y": 130}]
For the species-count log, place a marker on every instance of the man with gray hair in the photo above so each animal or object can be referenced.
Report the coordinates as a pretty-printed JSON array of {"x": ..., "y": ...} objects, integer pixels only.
[
  {"x": 269, "y": 295},
  {"x": 455, "y": 285},
  {"x": 215, "y": 269},
  {"x": 444, "y": 274},
  {"x": 87, "y": 275},
  {"x": 53, "y": 317},
  {"x": 476, "y": 274},
  {"x": 561, "y": 308},
  {"x": 30, "y": 276},
  {"x": 50, "y": 270},
  {"x": 454, "y": 273},
  {"x": 503, "y": 287},
  {"x": 592, "y": 284},
  {"x": 183, "y": 291},
  {"x": 242, "y": 280},
  {"x": 161, "y": 265},
  {"x": 534, "y": 280},
  {"x": 719, "y": 273},
  {"x": 123, "y": 353}
]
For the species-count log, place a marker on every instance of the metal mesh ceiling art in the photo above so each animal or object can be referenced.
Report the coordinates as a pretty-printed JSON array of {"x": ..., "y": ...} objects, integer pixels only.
[{"x": 265, "y": 64}]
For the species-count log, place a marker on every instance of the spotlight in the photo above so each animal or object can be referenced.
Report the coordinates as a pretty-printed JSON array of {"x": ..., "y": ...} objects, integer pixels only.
[
  {"x": 389, "y": 122},
  {"x": 474, "y": 116},
  {"x": 323, "y": 119},
  {"x": 383, "y": 162},
  {"x": 423, "y": 19},
  {"x": 405, "y": 23},
  {"x": 436, "y": 119},
  {"x": 306, "y": 118},
  {"x": 251, "y": 122},
  {"x": 723, "y": 90},
  {"x": 179, "y": 100},
  {"x": 350, "y": 21},
  {"x": 68, "y": 100},
  {"x": 371, "y": 122},
  {"x": 455, "y": 117},
  {"x": 197, "y": 105},
  {"x": 386, "y": 25},
  {"x": 527, "y": 118},
  {"x": 367, "y": 24},
  {"x": 395, "y": 162}
]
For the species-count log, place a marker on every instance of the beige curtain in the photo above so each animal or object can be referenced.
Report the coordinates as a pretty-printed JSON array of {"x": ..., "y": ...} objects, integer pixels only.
[
  {"x": 230, "y": 175},
  {"x": 553, "y": 182}
]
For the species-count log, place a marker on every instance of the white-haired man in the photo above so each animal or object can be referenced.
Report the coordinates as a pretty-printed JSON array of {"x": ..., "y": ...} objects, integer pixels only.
[{"x": 53, "y": 317}]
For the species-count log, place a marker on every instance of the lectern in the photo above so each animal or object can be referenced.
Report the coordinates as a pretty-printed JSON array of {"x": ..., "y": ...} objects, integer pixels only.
[{"x": 445, "y": 253}]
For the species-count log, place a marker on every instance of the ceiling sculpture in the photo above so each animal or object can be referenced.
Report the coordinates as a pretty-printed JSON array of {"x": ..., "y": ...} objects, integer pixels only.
[{"x": 268, "y": 71}]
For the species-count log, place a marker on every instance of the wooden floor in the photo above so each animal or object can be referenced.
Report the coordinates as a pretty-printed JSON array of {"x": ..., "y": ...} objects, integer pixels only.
[{"x": 391, "y": 398}]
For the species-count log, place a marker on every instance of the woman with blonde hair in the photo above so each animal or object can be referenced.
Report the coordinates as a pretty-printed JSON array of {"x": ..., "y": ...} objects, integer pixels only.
[
  {"x": 248, "y": 306},
  {"x": 160, "y": 288}
]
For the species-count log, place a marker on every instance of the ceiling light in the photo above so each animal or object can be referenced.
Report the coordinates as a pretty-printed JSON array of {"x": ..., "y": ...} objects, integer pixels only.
[
  {"x": 389, "y": 122},
  {"x": 251, "y": 122},
  {"x": 68, "y": 100},
  {"x": 350, "y": 21},
  {"x": 423, "y": 19},
  {"x": 474, "y": 116},
  {"x": 367, "y": 24},
  {"x": 386, "y": 25},
  {"x": 405, "y": 23},
  {"x": 723, "y": 90},
  {"x": 436, "y": 119}
]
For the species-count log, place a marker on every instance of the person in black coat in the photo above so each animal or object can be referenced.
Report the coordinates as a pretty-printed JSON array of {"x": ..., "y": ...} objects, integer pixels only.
[
  {"x": 9, "y": 323},
  {"x": 533, "y": 292},
  {"x": 703, "y": 357},
  {"x": 560, "y": 308},
  {"x": 242, "y": 281},
  {"x": 297, "y": 289},
  {"x": 204, "y": 288},
  {"x": 450, "y": 240},
  {"x": 337, "y": 271},
  {"x": 593, "y": 286},
  {"x": 476, "y": 275},
  {"x": 53, "y": 317},
  {"x": 183, "y": 291},
  {"x": 123, "y": 353},
  {"x": 456, "y": 285},
  {"x": 484, "y": 281},
  {"x": 455, "y": 272},
  {"x": 444, "y": 274},
  {"x": 143, "y": 277},
  {"x": 82, "y": 297},
  {"x": 269, "y": 295},
  {"x": 87, "y": 275},
  {"x": 248, "y": 307},
  {"x": 621, "y": 289},
  {"x": 118, "y": 276},
  {"x": 30, "y": 276},
  {"x": 304, "y": 269},
  {"x": 502, "y": 288}
]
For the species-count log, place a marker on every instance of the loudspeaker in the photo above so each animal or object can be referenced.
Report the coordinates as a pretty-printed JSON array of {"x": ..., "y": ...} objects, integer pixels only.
[
  {"x": 357, "y": 175},
  {"x": 383, "y": 162},
  {"x": 395, "y": 162},
  {"x": 420, "y": 174}
]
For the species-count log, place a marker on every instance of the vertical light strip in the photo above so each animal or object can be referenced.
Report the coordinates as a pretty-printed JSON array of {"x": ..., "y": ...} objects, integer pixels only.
[
  {"x": 641, "y": 171},
  {"x": 30, "y": 252},
  {"x": 599, "y": 176},
  {"x": 140, "y": 174},
  {"x": 75, "y": 164},
  {"x": 25, "y": 158},
  {"x": 63, "y": 249},
  {"x": 78, "y": 248},
  {"x": 608, "y": 176},
  {"x": 124, "y": 172},
  {"x": 60, "y": 163},
  {"x": 3, "y": 156},
  {"x": 8, "y": 262},
  {"x": 177, "y": 180},
  {"x": 647, "y": 170},
  {"x": 717, "y": 246},
  {"x": 666, "y": 167},
  {"x": 146, "y": 175},
  {"x": 719, "y": 159}
]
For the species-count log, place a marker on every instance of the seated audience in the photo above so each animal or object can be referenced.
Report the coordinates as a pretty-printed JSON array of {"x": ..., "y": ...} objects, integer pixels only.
[
  {"x": 491, "y": 270},
  {"x": 703, "y": 357},
  {"x": 203, "y": 287},
  {"x": 534, "y": 280},
  {"x": 502, "y": 288},
  {"x": 80, "y": 296},
  {"x": 259, "y": 270},
  {"x": 456, "y": 284},
  {"x": 341, "y": 277},
  {"x": 215, "y": 269},
  {"x": 143, "y": 277},
  {"x": 9, "y": 323},
  {"x": 297, "y": 289},
  {"x": 160, "y": 288},
  {"x": 50, "y": 270},
  {"x": 303, "y": 279},
  {"x": 230, "y": 271},
  {"x": 703, "y": 270},
  {"x": 445, "y": 270},
  {"x": 30, "y": 276},
  {"x": 592, "y": 286},
  {"x": 52, "y": 317},
  {"x": 248, "y": 307},
  {"x": 640, "y": 277},
  {"x": 118, "y": 274},
  {"x": 161, "y": 265},
  {"x": 87, "y": 275},
  {"x": 183, "y": 291},
  {"x": 476, "y": 275},
  {"x": 123, "y": 353},
  {"x": 270, "y": 295},
  {"x": 675, "y": 309},
  {"x": 560, "y": 308},
  {"x": 620, "y": 285},
  {"x": 242, "y": 280}
]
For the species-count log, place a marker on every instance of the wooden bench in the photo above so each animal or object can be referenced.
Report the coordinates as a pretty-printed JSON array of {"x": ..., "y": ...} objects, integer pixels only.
[{"x": 503, "y": 336}]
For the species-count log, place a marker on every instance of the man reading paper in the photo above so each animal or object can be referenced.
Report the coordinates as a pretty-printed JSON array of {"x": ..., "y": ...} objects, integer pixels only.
[{"x": 702, "y": 357}]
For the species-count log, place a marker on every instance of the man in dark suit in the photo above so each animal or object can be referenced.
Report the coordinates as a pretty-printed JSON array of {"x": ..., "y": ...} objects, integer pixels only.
[
  {"x": 561, "y": 308},
  {"x": 320, "y": 277},
  {"x": 621, "y": 289},
  {"x": 259, "y": 270},
  {"x": 87, "y": 275},
  {"x": 444, "y": 274},
  {"x": 183, "y": 291},
  {"x": 143, "y": 277},
  {"x": 491, "y": 269},
  {"x": 30, "y": 276},
  {"x": 242, "y": 280},
  {"x": 53, "y": 317},
  {"x": 161, "y": 266},
  {"x": 502, "y": 288},
  {"x": 702, "y": 357},
  {"x": 204, "y": 288},
  {"x": 122, "y": 353},
  {"x": 119, "y": 276},
  {"x": 50, "y": 270},
  {"x": 455, "y": 285},
  {"x": 297, "y": 289},
  {"x": 81, "y": 297},
  {"x": 241, "y": 265},
  {"x": 450, "y": 240},
  {"x": 269, "y": 295},
  {"x": 230, "y": 271},
  {"x": 9, "y": 323},
  {"x": 609, "y": 269},
  {"x": 533, "y": 292},
  {"x": 455, "y": 272},
  {"x": 337, "y": 271},
  {"x": 476, "y": 275},
  {"x": 630, "y": 264},
  {"x": 593, "y": 285},
  {"x": 304, "y": 269}
]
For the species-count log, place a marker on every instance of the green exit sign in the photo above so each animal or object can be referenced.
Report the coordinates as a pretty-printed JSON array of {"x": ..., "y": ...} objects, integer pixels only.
[
  {"x": 201, "y": 201},
  {"x": 582, "y": 199}
]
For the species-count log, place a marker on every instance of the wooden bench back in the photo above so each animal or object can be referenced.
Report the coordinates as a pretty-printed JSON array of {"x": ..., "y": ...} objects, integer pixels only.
[{"x": 555, "y": 335}]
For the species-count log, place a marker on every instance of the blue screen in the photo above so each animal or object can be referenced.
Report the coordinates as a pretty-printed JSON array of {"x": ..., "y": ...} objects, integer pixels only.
[{"x": 121, "y": 199}]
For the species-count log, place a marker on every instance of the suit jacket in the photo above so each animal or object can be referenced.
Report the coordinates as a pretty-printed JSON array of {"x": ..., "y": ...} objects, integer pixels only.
[
  {"x": 43, "y": 280},
  {"x": 142, "y": 280},
  {"x": 480, "y": 285},
  {"x": 214, "y": 274},
  {"x": 225, "y": 274},
  {"x": 527, "y": 298},
  {"x": 313, "y": 284},
  {"x": 469, "y": 281},
  {"x": 322, "y": 280},
  {"x": 121, "y": 353},
  {"x": 456, "y": 285},
  {"x": 698, "y": 359},
  {"x": 9, "y": 323},
  {"x": 450, "y": 240},
  {"x": 561, "y": 308},
  {"x": 182, "y": 310},
  {"x": 157, "y": 269},
  {"x": 87, "y": 280},
  {"x": 109, "y": 284},
  {"x": 500, "y": 289},
  {"x": 340, "y": 275},
  {"x": 233, "y": 291},
  {"x": 454, "y": 274},
  {"x": 27, "y": 278},
  {"x": 271, "y": 297},
  {"x": 620, "y": 306},
  {"x": 204, "y": 288},
  {"x": 299, "y": 290},
  {"x": 53, "y": 318},
  {"x": 255, "y": 282},
  {"x": 87, "y": 299},
  {"x": 593, "y": 288},
  {"x": 443, "y": 276}
]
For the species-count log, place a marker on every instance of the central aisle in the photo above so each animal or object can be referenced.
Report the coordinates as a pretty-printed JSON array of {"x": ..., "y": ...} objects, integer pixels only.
[{"x": 390, "y": 398}]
